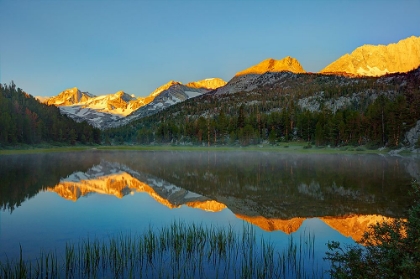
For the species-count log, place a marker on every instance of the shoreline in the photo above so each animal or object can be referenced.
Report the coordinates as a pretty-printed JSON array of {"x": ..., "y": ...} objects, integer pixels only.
[{"x": 290, "y": 147}]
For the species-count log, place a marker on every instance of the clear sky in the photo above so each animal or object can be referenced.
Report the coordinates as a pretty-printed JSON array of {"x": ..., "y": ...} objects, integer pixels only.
[{"x": 136, "y": 46}]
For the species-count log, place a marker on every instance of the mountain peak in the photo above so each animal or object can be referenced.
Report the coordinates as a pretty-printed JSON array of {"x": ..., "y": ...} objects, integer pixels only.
[
  {"x": 119, "y": 93},
  {"x": 378, "y": 60},
  {"x": 68, "y": 97},
  {"x": 164, "y": 87},
  {"x": 208, "y": 83},
  {"x": 288, "y": 63}
]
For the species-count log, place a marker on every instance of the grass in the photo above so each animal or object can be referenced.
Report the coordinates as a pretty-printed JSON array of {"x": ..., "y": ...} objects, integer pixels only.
[
  {"x": 290, "y": 147},
  {"x": 43, "y": 150},
  {"x": 283, "y": 147},
  {"x": 175, "y": 251}
]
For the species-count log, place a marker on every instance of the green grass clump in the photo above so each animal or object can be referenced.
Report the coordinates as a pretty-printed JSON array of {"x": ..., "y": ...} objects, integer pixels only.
[{"x": 176, "y": 251}]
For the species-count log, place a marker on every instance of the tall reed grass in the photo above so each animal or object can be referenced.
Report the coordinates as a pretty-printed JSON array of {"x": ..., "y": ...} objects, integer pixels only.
[{"x": 175, "y": 251}]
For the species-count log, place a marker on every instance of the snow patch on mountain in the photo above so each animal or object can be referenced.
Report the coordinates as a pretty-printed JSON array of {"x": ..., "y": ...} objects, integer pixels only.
[
  {"x": 371, "y": 71},
  {"x": 173, "y": 93}
]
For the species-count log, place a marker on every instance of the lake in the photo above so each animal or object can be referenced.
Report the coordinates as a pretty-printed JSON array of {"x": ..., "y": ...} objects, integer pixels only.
[{"x": 48, "y": 200}]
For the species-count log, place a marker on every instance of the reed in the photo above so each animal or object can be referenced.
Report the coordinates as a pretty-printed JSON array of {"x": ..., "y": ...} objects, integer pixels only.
[{"x": 176, "y": 251}]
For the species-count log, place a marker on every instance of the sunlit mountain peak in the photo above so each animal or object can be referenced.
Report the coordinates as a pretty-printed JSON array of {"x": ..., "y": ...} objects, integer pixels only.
[
  {"x": 288, "y": 64},
  {"x": 208, "y": 83},
  {"x": 158, "y": 90},
  {"x": 378, "y": 60},
  {"x": 69, "y": 97}
]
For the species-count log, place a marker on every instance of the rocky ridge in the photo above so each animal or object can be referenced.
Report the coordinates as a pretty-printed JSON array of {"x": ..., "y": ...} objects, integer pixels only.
[
  {"x": 370, "y": 60},
  {"x": 267, "y": 71},
  {"x": 288, "y": 64},
  {"x": 165, "y": 96},
  {"x": 100, "y": 110}
]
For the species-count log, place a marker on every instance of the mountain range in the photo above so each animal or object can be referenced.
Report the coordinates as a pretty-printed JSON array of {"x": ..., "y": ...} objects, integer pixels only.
[
  {"x": 116, "y": 109},
  {"x": 119, "y": 109}
]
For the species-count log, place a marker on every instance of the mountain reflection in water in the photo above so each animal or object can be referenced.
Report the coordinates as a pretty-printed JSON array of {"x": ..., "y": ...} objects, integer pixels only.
[
  {"x": 333, "y": 196},
  {"x": 117, "y": 179}
]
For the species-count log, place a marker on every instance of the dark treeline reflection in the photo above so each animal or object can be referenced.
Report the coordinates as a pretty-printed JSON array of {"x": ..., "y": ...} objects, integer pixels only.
[
  {"x": 23, "y": 176},
  {"x": 272, "y": 185},
  {"x": 286, "y": 186}
]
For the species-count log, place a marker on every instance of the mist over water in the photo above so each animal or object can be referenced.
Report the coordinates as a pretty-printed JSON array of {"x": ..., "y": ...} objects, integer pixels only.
[{"x": 48, "y": 200}]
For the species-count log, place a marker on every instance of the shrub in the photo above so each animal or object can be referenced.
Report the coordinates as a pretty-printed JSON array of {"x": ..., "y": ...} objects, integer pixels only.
[{"x": 392, "y": 249}]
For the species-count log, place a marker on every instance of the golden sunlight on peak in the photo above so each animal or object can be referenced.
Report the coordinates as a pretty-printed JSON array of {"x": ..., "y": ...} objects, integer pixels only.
[
  {"x": 378, "y": 60},
  {"x": 288, "y": 64},
  {"x": 208, "y": 83}
]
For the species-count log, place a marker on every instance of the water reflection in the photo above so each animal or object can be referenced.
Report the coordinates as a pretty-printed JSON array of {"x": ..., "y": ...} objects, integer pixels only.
[
  {"x": 286, "y": 186},
  {"x": 119, "y": 180},
  {"x": 24, "y": 176},
  {"x": 276, "y": 192}
]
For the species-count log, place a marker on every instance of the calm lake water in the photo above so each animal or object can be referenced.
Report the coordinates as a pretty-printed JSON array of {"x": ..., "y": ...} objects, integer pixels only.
[{"x": 48, "y": 200}]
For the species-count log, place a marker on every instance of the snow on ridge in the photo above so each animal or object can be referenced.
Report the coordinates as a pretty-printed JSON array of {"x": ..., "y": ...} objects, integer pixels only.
[
  {"x": 192, "y": 94},
  {"x": 120, "y": 108}
]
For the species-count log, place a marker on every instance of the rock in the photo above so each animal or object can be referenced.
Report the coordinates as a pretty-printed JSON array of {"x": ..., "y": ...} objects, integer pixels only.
[{"x": 413, "y": 135}]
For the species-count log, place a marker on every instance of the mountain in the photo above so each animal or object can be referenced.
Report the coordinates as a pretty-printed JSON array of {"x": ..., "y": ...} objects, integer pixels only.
[
  {"x": 283, "y": 106},
  {"x": 276, "y": 86},
  {"x": 370, "y": 60},
  {"x": 164, "y": 96},
  {"x": 117, "y": 109},
  {"x": 69, "y": 97},
  {"x": 287, "y": 64},
  {"x": 98, "y": 111},
  {"x": 208, "y": 83},
  {"x": 246, "y": 80}
]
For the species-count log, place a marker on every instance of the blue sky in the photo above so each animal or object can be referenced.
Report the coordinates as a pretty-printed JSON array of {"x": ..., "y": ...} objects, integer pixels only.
[{"x": 136, "y": 46}]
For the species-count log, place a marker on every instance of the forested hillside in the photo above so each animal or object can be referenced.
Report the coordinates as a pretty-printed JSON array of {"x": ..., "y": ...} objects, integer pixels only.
[
  {"x": 23, "y": 120},
  {"x": 320, "y": 109}
]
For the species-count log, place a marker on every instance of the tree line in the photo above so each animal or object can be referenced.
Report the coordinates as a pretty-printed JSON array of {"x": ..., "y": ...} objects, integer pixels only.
[{"x": 24, "y": 120}]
